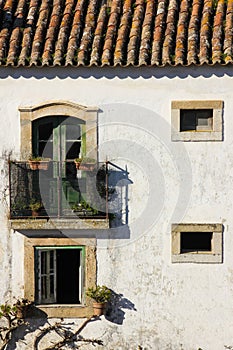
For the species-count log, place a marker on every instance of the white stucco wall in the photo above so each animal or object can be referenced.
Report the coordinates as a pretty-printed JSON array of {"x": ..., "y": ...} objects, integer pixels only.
[{"x": 177, "y": 306}]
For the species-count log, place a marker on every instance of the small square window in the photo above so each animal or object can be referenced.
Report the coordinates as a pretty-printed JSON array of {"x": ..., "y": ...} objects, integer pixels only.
[
  {"x": 196, "y": 120},
  {"x": 197, "y": 243}
]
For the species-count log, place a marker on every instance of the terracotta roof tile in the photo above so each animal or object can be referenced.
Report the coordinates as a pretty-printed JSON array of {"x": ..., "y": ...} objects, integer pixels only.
[
  {"x": 227, "y": 53},
  {"x": 182, "y": 32},
  {"x": 218, "y": 28},
  {"x": 135, "y": 32},
  {"x": 110, "y": 37},
  {"x": 115, "y": 32},
  {"x": 160, "y": 22},
  {"x": 123, "y": 33},
  {"x": 147, "y": 33}
]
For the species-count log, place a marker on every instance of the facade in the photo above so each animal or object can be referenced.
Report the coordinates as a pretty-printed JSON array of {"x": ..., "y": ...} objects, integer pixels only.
[{"x": 153, "y": 219}]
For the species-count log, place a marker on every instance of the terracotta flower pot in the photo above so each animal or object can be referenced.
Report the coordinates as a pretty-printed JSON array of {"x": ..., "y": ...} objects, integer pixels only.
[
  {"x": 98, "y": 309},
  {"x": 35, "y": 213},
  {"x": 39, "y": 165},
  {"x": 87, "y": 166},
  {"x": 77, "y": 164}
]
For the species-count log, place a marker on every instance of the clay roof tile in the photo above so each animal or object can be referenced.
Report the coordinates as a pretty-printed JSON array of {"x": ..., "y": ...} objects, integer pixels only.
[{"x": 116, "y": 32}]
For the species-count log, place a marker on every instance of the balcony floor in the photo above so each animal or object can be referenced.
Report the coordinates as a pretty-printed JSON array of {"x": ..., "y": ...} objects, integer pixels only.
[{"x": 54, "y": 223}]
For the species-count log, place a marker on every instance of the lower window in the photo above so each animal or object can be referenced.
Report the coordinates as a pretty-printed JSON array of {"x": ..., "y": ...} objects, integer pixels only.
[
  {"x": 197, "y": 243},
  {"x": 59, "y": 275},
  {"x": 57, "y": 271}
]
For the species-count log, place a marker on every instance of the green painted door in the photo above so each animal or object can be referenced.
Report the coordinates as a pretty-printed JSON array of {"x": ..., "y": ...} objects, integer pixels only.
[{"x": 62, "y": 139}]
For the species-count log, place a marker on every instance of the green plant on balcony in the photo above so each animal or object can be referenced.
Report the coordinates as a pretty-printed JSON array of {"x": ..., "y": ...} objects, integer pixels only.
[
  {"x": 84, "y": 208},
  {"x": 19, "y": 204},
  {"x": 35, "y": 207}
]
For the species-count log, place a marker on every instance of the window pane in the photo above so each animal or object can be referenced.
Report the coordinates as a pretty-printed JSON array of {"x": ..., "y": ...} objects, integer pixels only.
[
  {"x": 73, "y": 132},
  {"x": 45, "y": 149},
  {"x": 43, "y": 288},
  {"x": 45, "y": 131},
  {"x": 52, "y": 286},
  {"x": 202, "y": 121},
  {"x": 196, "y": 241},
  {"x": 187, "y": 120},
  {"x": 51, "y": 261},
  {"x": 43, "y": 262},
  {"x": 73, "y": 150}
]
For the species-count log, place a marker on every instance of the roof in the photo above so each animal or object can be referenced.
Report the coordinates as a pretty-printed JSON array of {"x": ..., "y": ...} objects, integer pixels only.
[{"x": 115, "y": 32}]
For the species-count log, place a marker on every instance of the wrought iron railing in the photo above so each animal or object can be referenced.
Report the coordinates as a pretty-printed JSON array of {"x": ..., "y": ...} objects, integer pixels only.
[{"x": 58, "y": 189}]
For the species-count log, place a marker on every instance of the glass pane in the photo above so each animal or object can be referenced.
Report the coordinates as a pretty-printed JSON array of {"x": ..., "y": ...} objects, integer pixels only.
[
  {"x": 73, "y": 132},
  {"x": 45, "y": 149},
  {"x": 45, "y": 131},
  {"x": 51, "y": 261},
  {"x": 202, "y": 121},
  {"x": 73, "y": 150},
  {"x": 187, "y": 120},
  {"x": 43, "y": 262},
  {"x": 52, "y": 286},
  {"x": 43, "y": 287}
]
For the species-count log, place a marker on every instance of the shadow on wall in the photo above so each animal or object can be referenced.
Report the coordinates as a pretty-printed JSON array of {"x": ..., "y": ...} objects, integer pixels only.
[
  {"x": 118, "y": 180},
  {"x": 114, "y": 312},
  {"x": 129, "y": 72},
  {"x": 39, "y": 318}
]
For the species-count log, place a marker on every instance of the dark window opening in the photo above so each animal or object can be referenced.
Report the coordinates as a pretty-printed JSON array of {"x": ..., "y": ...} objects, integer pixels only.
[
  {"x": 59, "y": 275},
  {"x": 196, "y": 119},
  {"x": 195, "y": 241}
]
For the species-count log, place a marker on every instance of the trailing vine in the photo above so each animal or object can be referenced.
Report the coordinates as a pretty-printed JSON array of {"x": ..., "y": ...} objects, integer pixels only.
[{"x": 13, "y": 317}]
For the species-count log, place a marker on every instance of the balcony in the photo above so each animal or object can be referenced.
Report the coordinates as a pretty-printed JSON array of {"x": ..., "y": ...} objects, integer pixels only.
[{"x": 57, "y": 194}]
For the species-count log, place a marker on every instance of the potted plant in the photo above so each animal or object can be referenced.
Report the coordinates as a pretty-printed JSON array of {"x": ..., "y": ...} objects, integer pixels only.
[
  {"x": 83, "y": 208},
  {"x": 101, "y": 295},
  {"x": 87, "y": 164},
  {"x": 38, "y": 163},
  {"x": 35, "y": 207},
  {"x": 21, "y": 307}
]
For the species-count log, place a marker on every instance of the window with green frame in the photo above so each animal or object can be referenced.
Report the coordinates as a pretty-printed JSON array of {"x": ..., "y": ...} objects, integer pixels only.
[
  {"x": 62, "y": 139},
  {"x": 59, "y": 274}
]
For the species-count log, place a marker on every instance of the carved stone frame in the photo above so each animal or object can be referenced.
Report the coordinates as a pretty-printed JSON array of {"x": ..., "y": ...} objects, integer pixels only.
[
  {"x": 213, "y": 256},
  {"x": 213, "y": 135},
  {"x": 58, "y": 108},
  {"x": 80, "y": 310}
]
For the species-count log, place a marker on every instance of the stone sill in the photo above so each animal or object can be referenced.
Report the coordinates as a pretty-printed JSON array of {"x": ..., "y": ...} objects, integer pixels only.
[
  {"x": 65, "y": 224},
  {"x": 66, "y": 311}
]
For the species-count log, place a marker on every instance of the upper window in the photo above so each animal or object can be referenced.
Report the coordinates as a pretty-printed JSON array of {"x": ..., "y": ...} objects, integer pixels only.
[
  {"x": 58, "y": 138},
  {"x": 197, "y": 243},
  {"x": 58, "y": 130},
  {"x": 197, "y": 120}
]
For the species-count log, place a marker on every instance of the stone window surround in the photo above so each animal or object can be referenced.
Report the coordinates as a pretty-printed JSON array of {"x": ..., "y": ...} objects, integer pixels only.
[
  {"x": 56, "y": 108},
  {"x": 214, "y": 135},
  {"x": 214, "y": 256},
  {"x": 55, "y": 310}
]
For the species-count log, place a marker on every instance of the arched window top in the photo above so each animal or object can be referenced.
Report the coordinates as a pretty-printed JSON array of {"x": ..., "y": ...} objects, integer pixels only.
[
  {"x": 53, "y": 109},
  {"x": 64, "y": 108}
]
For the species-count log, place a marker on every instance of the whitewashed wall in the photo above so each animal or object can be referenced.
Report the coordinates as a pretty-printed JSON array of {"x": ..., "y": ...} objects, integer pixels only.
[{"x": 177, "y": 306}]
